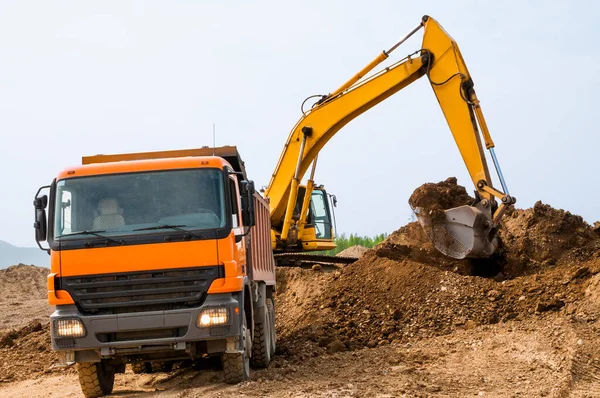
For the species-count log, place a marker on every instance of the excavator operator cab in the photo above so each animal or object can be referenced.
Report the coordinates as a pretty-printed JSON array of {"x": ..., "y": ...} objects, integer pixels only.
[
  {"x": 320, "y": 214},
  {"x": 319, "y": 222}
]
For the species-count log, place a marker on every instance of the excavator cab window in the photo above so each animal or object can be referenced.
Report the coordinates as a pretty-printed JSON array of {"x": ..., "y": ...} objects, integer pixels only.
[{"x": 321, "y": 216}]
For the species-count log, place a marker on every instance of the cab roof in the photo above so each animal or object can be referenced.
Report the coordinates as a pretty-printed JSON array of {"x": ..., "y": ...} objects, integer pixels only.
[{"x": 218, "y": 157}]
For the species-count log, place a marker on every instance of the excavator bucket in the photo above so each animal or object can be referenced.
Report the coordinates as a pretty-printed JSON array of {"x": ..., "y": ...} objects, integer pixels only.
[{"x": 460, "y": 232}]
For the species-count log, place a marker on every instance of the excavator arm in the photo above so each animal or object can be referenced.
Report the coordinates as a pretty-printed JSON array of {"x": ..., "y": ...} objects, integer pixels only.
[{"x": 467, "y": 231}]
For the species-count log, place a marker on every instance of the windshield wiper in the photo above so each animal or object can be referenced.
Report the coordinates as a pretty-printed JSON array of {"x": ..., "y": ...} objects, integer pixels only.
[
  {"x": 95, "y": 233},
  {"x": 175, "y": 227},
  {"x": 163, "y": 226}
]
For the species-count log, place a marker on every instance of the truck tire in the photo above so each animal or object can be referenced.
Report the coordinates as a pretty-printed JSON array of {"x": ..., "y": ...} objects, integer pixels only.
[
  {"x": 261, "y": 343},
  {"x": 271, "y": 310},
  {"x": 236, "y": 366},
  {"x": 95, "y": 378},
  {"x": 158, "y": 367}
]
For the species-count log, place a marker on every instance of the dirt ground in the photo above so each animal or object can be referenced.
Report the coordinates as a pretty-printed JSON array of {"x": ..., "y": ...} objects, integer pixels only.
[
  {"x": 24, "y": 297},
  {"x": 402, "y": 321}
]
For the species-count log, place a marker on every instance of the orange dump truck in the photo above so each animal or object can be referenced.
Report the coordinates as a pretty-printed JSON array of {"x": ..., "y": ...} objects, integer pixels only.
[{"x": 158, "y": 257}]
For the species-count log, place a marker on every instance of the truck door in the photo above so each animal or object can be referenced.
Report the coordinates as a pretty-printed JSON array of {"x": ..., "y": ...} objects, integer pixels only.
[{"x": 321, "y": 214}]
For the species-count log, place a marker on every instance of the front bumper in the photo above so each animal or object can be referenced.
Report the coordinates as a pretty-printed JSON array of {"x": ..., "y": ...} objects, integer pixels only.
[{"x": 146, "y": 332}]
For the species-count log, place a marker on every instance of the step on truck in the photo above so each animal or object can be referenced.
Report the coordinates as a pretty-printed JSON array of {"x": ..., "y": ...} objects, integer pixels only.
[{"x": 158, "y": 257}]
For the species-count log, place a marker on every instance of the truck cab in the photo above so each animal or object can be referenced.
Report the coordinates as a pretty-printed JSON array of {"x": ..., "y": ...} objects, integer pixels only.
[{"x": 158, "y": 257}]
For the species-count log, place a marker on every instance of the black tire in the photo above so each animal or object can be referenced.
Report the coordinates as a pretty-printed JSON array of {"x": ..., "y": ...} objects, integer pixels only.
[
  {"x": 236, "y": 366},
  {"x": 271, "y": 310},
  {"x": 261, "y": 343},
  {"x": 95, "y": 378},
  {"x": 161, "y": 367}
]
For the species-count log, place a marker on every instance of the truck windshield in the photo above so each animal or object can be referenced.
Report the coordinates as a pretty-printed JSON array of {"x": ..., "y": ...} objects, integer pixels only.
[{"x": 134, "y": 203}]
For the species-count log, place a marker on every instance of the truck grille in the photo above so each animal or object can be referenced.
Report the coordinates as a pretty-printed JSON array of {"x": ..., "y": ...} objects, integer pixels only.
[{"x": 141, "y": 291}]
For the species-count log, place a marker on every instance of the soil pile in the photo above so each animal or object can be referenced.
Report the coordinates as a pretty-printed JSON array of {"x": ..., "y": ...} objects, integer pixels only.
[
  {"x": 353, "y": 251},
  {"x": 404, "y": 290},
  {"x": 26, "y": 352},
  {"x": 24, "y": 296},
  {"x": 544, "y": 236},
  {"x": 441, "y": 196},
  {"x": 23, "y": 282},
  {"x": 25, "y": 348}
]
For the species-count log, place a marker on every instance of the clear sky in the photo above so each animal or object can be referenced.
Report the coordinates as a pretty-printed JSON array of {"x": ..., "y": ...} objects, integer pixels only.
[{"x": 81, "y": 78}]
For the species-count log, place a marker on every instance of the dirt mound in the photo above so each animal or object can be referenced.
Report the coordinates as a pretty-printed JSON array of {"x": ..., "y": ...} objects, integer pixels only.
[
  {"x": 24, "y": 296},
  {"x": 441, "y": 196},
  {"x": 545, "y": 236},
  {"x": 405, "y": 290},
  {"x": 353, "y": 251},
  {"x": 26, "y": 353},
  {"x": 23, "y": 281}
]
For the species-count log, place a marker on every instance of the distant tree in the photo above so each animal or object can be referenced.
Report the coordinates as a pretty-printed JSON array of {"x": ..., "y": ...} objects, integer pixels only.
[{"x": 344, "y": 241}]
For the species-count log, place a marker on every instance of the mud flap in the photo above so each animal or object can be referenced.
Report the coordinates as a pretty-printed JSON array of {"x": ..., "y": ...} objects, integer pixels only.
[{"x": 460, "y": 232}]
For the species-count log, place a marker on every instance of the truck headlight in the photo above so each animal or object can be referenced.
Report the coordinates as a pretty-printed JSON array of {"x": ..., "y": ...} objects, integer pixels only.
[
  {"x": 69, "y": 328},
  {"x": 213, "y": 317}
]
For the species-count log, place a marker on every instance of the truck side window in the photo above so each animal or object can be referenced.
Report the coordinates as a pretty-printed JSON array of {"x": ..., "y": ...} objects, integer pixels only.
[
  {"x": 65, "y": 208},
  {"x": 235, "y": 211}
]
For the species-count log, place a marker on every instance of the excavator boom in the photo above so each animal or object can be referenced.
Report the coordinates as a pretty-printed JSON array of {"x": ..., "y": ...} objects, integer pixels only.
[{"x": 466, "y": 231}]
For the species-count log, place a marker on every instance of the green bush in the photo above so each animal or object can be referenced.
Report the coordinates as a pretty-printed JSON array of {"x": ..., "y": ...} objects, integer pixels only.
[{"x": 343, "y": 242}]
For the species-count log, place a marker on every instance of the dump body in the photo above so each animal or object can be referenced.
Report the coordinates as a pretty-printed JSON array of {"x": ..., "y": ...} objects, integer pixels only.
[
  {"x": 157, "y": 256},
  {"x": 262, "y": 266}
]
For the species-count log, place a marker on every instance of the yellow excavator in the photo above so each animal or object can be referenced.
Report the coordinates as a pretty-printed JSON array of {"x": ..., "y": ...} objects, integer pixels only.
[{"x": 300, "y": 214}]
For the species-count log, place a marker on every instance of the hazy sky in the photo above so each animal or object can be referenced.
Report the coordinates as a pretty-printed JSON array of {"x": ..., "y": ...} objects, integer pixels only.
[{"x": 81, "y": 78}]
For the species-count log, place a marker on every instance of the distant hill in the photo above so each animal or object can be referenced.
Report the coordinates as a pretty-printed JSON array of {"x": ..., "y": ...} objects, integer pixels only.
[{"x": 13, "y": 255}]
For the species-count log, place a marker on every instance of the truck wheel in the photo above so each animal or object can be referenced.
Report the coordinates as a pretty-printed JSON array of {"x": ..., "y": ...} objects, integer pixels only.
[
  {"x": 236, "y": 366},
  {"x": 95, "y": 378},
  {"x": 261, "y": 344},
  {"x": 271, "y": 310},
  {"x": 158, "y": 367}
]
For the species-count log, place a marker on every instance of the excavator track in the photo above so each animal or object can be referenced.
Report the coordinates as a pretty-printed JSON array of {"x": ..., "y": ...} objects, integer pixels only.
[{"x": 304, "y": 259}]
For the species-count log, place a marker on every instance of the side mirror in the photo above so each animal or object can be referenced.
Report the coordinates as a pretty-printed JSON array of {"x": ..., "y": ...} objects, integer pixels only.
[
  {"x": 334, "y": 200},
  {"x": 40, "y": 224},
  {"x": 248, "y": 191}
]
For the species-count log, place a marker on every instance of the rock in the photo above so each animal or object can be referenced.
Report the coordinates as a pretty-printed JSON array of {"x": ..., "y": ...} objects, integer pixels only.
[
  {"x": 336, "y": 346},
  {"x": 396, "y": 315},
  {"x": 372, "y": 344},
  {"x": 388, "y": 330},
  {"x": 581, "y": 272},
  {"x": 434, "y": 388},
  {"x": 493, "y": 295},
  {"x": 325, "y": 341},
  {"x": 317, "y": 267},
  {"x": 522, "y": 298},
  {"x": 384, "y": 342}
]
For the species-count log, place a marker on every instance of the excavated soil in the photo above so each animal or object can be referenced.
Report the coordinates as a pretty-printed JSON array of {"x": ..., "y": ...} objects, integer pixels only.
[
  {"x": 25, "y": 350},
  {"x": 353, "y": 251},
  {"x": 24, "y": 296},
  {"x": 443, "y": 195},
  {"x": 405, "y": 321}
]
